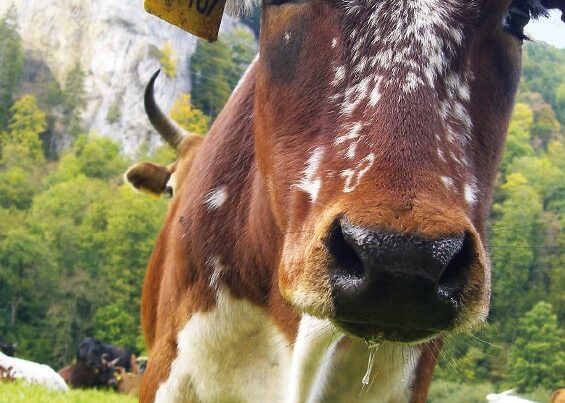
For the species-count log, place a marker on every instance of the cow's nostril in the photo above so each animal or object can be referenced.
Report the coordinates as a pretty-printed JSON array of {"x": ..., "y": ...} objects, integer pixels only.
[
  {"x": 347, "y": 262},
  {"x": 456, "y": 274}
]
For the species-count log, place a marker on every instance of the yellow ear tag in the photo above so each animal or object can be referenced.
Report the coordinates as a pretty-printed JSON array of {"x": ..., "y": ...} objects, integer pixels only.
[{"x": 199, "y": 17}]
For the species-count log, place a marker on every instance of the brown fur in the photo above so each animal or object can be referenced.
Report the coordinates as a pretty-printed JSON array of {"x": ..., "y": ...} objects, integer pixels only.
[
  {"x": 128, "y": 382},
  {"x": 558, "y": 396}
]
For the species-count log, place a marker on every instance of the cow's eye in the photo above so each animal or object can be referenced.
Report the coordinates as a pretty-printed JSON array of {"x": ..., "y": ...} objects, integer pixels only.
[{"x": 517, "y": 18}]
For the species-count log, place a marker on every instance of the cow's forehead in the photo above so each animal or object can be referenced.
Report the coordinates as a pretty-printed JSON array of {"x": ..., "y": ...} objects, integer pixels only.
[{"x": 238, "y": 7}]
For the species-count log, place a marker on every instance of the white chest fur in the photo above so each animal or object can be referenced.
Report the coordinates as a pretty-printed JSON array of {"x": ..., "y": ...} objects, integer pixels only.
[{"x": 233, "y": 353}]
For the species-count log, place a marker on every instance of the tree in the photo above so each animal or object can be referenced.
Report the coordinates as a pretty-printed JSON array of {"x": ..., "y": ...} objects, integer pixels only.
[
  {"x": 518, "y": 138},
  {"x": 133, "y": 223},
  {"x": 21, "y": 145},
  {"x": 11, "y": 63},
  {"x": 243, "y": 49},
  {"x": 99, "y": 157},
  {"x": 514, "y": 236},
  {"x": 210, "y": 66},
  {"x": 537, "y": 357},
  {"x": 216, "y": 69},
  {"x": 25, "y": 268},
  {"x": 189, "y": 117},
  {"x": 74, "y": 99}
]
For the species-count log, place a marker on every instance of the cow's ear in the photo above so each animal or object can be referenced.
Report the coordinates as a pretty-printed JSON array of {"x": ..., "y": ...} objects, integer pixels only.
[
  {"x": 555, "y": 4},
  {"x": 148, "y": 177}
]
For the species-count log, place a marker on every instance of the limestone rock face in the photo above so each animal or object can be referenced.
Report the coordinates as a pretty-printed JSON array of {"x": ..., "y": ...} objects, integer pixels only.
[{"x": 115, "y": 42}]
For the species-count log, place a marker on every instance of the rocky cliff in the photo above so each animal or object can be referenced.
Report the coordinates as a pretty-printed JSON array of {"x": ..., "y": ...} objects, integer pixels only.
[{"x": 116, "y": 43}]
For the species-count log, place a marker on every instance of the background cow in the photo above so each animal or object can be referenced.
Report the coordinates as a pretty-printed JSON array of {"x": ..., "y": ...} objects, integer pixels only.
[
  {"x": 30, "y": 372},
  {"x": 158, "y": 179},
  {"x": 92, "y": 351},
  {"x": 8, "y": 348},
  {"x": 80, "y": 375}
]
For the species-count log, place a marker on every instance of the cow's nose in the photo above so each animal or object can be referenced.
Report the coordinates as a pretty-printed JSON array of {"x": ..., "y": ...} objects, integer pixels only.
[{"x": 402, "y": 286}]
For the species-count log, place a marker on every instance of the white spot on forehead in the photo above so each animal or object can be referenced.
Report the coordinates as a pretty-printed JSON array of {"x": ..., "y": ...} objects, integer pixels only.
[
  {"x": 353, "y": 134},
  {"x": 309, "y": 183},
  {"x": 470, "y": 191},
  {"x": 413, "y": 40},
  {"x": 375, "y": 96},
  {"x": 355, "y": 95},
  {"x": 216, "y": 198},
  {"x": 353, "y": 176},
  {"x": 334, "y": 42},
  {"x": 287, "y": 37},
  {"x": 440, "y": 154},
  {"x": 339, "y": 75}
]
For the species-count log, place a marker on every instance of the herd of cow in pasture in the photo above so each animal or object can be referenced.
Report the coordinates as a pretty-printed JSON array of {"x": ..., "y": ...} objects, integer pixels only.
[{"x": 97, "y": 365}]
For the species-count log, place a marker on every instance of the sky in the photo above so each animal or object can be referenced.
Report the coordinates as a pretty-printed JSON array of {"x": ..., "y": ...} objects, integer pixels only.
[{"x": 551, "y": 31}]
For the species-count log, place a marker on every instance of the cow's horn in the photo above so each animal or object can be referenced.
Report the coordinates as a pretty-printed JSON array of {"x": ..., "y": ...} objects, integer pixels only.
[{"x": 171, "y": 132}]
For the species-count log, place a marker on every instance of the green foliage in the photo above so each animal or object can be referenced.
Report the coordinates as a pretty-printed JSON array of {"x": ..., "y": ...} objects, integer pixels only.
[
  {"x": 216, "y": 69},
  {"x": 518, "y": 139},
  {"x": 74, "y": 99},
  {"x": 189, "y": 117},
  {"x": 450, "y": 392},
  {"x": 16, "y": 188},
  {"x": 11, "y": 63},
  {"x": 537, "y": 356},
  {"x": 514, "y": 236},
  {"x": 21, "y": 144},
  {"x": 544, "y": 73},
  {"x": 99, "y": 157},
  {"x": 165, "y": 55},
  {"x": 21, "y": 393}
]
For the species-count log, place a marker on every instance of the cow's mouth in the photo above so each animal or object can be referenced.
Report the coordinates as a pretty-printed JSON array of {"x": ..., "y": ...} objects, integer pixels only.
[{"x": 374, "y": 332}]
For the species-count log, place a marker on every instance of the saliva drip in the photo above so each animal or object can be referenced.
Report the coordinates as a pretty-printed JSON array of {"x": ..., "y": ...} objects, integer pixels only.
[{"x": 373, "y": 346}]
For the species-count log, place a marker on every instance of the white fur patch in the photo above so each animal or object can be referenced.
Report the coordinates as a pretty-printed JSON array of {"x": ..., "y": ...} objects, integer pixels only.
[
  {"x": 309, "y": 182},
  {"x": 232, "y": 353},
  {"x": 215, "y": 264},
  {"x": 320, "y": 363},
  {"x": 216, "y": 198},
  {"x": 353, "y": 177},
  {"x": 470, "y": 190}
]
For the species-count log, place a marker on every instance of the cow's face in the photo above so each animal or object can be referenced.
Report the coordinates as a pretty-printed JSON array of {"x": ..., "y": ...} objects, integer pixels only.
[
  {"x": 94, "y": 354},
  {"x": 8, "y": 349},
  {"x": 378, "y": 126}
]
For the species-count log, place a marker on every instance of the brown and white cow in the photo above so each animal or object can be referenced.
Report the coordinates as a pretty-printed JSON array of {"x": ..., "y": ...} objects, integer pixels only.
[{"x": 339, "y": 199}]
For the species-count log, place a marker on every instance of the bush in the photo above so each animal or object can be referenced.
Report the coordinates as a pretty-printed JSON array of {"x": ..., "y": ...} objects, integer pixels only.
[{"x": 450, "y": 392}]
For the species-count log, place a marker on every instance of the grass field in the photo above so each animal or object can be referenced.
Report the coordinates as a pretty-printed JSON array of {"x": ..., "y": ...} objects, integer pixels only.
[{"x": 20, "y": 393}]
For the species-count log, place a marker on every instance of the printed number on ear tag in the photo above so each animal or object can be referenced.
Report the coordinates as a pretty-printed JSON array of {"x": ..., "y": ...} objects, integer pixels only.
[{"x": 199, "y": 17}]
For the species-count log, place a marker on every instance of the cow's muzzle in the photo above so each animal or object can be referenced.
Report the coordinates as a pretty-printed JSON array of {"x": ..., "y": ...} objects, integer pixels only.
[{"x": 396, "y": 286}]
